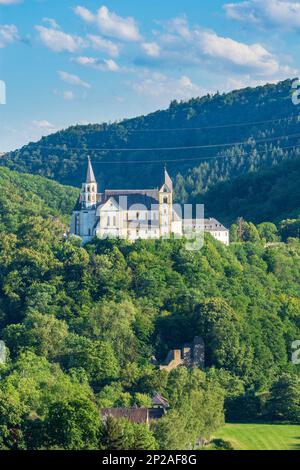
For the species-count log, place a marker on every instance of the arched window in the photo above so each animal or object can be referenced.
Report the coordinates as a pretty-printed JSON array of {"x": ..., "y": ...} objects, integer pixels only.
[{"x": 165, "y": 200}]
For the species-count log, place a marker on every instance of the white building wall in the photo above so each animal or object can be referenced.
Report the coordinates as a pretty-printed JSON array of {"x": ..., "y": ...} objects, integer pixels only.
[
  {"x": 177, "y": 227},
  {"x": 83, "y": 224},
  {"x": 222, "y": 236}
]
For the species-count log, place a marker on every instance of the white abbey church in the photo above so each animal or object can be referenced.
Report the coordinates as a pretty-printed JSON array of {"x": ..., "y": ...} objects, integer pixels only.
[{"x": 134, "y": 214}]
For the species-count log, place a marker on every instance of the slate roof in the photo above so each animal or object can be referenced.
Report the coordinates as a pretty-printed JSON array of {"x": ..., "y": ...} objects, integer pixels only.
[
  {"x": 214, "y": 225},
  {"x": 143, "y": 199},
  {"x": 90, "y": 177},
  {"x": 125, "y": 192},
  {"x": 210, "y": 225},
  {"x": 77, "y": 205},
  {"x": 159, "y": 400},
  {"x": 168, "y": 182}
]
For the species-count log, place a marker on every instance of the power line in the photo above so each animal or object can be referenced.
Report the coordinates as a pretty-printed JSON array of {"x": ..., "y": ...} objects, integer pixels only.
[
  {"x": 178, "y": 160},
  {"x": 153, "y": 149},
  {"x": 179, "y": 129}
]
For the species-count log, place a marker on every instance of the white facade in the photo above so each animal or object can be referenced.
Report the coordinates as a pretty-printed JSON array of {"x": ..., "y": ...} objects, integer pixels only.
[
  {"x": 134, "y": 214},
  {"x": 212, "y": 226}
]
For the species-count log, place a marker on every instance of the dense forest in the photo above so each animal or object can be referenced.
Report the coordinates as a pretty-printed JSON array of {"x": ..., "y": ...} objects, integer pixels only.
[
  {"x": 25, "y": 195},
  {"x": 85, "y": 327},
  {"x": 234, "y": 133},
  {"x": 272, "y": 194},
  {"x": 82, "y": 324}
]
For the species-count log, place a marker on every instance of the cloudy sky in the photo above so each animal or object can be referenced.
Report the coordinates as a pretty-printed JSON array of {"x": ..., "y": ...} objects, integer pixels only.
[{"x": 70, "y": 61}]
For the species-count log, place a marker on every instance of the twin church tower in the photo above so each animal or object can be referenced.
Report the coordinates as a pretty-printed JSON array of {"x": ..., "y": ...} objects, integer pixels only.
[
  {"x": 135, "y": 214},
  {"x": 130, "y": 214}
]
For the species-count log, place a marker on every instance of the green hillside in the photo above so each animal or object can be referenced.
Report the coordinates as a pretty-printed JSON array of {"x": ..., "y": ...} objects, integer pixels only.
[
  {"x": 267, "y": 195},
  {"x": 258, "y": 118},
  {"x": 22, "y": 196},
  {"x": 82, "y": 324}
]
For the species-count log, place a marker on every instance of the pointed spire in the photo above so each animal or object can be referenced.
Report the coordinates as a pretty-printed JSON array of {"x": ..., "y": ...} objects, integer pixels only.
[
  {"x": 90, "y": 177},
  {"x": 168, "y": 181}
]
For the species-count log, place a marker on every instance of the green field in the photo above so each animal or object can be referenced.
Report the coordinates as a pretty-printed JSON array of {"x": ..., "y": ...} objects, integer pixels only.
[{"x": 261, "y": 436}]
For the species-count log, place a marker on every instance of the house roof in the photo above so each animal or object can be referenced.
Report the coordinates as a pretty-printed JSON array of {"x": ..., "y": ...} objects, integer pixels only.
[
  {"x": 141, "y": 200},
  {"x": 135, "y": 415},
  {"x": 214, "y": 224},
  {"x": 159, "y": 400},
  {"x": 209, "y": 225},
  {"x": 78, "y": 205}
]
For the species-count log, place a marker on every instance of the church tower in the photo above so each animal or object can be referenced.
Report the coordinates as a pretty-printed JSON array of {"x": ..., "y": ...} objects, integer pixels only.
[
  {"x": 84, "y": 214},
  {"x": 166, "y": 206},
  {"x": 89, "y": 190}
]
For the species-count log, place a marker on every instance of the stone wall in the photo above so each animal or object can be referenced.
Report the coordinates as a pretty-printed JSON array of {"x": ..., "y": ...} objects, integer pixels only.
[{"x": 191, "y": 355}]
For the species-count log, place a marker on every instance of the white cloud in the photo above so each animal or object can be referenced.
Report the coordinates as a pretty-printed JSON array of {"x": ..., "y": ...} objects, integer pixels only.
[
  {"x": 254, "y": 57},
  {"x": 163, "y": 89},
  {"x": 85, "y": 14},
  {"x": 51, "y": 22},
  {"x": 278, "y": 12},
  {"x": 73, "y": 79},
  {"x": 107, "y": 65},
  {"x": 152, "y": 49},
  {"x": 178, "y": 26},
  {"x": 110, "y": 65},
  {"x": 243, "y": 81},
  {"x": 179, "y": 43},
  {"x": 104, "y": 45},
  {"x": 44, "y": 126},
  {"x": 8, "y": 34},
  {"x": 59, "y": 41},
  {"x": 83, "y": 60},
  {"x": 110, "y": 24},
  {"x": 240, "y": 11},
  {"x": 30, "y": 132},
  {"x": 68, "y": 95}
]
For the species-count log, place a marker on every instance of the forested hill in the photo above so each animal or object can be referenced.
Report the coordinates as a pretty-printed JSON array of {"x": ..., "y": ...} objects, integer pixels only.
[
  {"x": 81, "y": 326},
  {"x": 24, "y": 196},
  {"x": 257, "y": 117},
  {"x": 269, "y": 195}
]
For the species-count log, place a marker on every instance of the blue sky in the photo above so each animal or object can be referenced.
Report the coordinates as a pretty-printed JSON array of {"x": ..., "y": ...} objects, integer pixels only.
[{"x": 78, "y": 61}]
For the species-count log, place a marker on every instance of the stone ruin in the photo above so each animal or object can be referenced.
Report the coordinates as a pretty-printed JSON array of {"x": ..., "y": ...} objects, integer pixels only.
[{"x": 191, "y": 355}]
